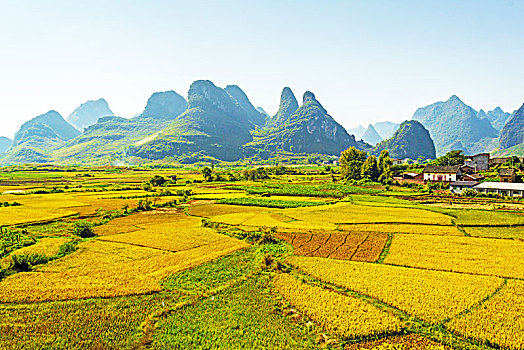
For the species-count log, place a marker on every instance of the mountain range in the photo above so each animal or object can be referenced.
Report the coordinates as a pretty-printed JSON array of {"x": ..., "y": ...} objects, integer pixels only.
[
  {"x": 454, "y": 125},
  {"x": 384, "y": 130},
  {"x": 222, "y": 124}
]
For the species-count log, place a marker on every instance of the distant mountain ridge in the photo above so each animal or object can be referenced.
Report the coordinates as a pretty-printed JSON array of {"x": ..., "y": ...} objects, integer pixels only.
[
  {"x": 371, "y": 136},
  {"x": 513, "y": 132},
  {"x": 454, "y": 125},
  {"x": 5, "y": 143},
  {"x": 222, "y": 124},
  {"x": 88, "y": 113},
  {"x": 496, "y": 117},
  {"x": 384, "y": 129}
]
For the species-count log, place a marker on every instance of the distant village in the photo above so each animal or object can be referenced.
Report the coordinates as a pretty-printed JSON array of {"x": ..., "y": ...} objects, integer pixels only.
[{"x": 472, "y": 176}]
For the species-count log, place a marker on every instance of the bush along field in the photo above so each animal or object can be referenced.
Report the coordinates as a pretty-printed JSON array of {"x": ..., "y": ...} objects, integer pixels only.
[{"x": 258, "y": 258}]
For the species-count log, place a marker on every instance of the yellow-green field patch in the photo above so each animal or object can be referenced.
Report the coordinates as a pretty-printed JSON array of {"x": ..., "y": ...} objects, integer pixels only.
[
  {"x": 496, "y": 257},
  {"x": 430, "y": 295}
]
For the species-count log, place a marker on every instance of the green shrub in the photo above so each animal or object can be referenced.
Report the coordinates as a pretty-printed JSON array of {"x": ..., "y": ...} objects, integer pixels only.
[
  {"x": 83, "y": 229},
  {"x": 26, "y": 262},
  {"x": 144, "y": 205},
  {"x": 66, "y": 248},
  {"x": 157, "y": 180}
]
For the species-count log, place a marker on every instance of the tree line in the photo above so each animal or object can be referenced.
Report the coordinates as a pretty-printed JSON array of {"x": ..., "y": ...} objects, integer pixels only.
[{"x": 356, "y": 165}]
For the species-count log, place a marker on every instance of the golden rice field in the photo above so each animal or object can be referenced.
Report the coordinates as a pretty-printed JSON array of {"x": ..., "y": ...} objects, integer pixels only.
[
  {"x": 499, "y": 320},
  {"x": 496, "y": 232},
  {"x": 344, "y": 213},
  {"x": 433, "y": 296},
  {"x": 331, "y": 217},
  {"x": 403, "y": 228},
  {"x": 370, "y": 272},
  {"x": 496, "y": 257},
  {"x": 344, "y": 315},
  {"x": 107, "y": 269},
  {"x": 405, "y": 342},
  {"x": 26, "y": 214},
  {"x": 174, "y": 237},
  {"x": 45, "y": 246}
]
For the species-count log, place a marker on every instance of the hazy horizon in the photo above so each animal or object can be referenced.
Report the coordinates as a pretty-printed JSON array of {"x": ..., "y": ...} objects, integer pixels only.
[{"x": 365, "y": 61}]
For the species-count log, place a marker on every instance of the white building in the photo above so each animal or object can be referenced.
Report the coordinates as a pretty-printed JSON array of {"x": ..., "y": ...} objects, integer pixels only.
[
  {"x": 442, "y": 173},
  {"x": 510, "y": 189}
]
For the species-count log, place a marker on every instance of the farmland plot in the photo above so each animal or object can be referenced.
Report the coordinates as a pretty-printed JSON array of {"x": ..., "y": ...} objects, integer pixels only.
[
  {"x": 341, "y": 314},
  {"x": 500, "y": 320},
  {"x": 433, "y": 296},
  {"x": 496, "y": 257}
]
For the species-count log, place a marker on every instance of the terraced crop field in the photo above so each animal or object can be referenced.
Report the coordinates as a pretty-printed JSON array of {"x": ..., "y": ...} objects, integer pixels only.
[
  {"x": 102, "y": 258},
  {"x": 356, "y": 247}
]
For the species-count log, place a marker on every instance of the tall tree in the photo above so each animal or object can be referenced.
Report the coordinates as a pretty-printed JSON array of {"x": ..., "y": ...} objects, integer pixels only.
[
  {"x": 384, "y": 165},
  {"x": 370, "y": 169},
  {"x": 451, "y": 158},
  {"x": 351, "y": 161}
]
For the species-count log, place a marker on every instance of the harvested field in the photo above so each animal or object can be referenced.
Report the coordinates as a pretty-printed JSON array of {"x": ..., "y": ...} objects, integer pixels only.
[{"x": 356, "y": 247}]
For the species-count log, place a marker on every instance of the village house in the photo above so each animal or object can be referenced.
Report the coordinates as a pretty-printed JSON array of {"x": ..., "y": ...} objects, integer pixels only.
[
  {"x": 507, "y": 175},
  {"x": 395, "y": 161},
  {"x": 478, "y": 161},
  {"x": 443, "y": 173},
  {"x": 501, "y": 188}
]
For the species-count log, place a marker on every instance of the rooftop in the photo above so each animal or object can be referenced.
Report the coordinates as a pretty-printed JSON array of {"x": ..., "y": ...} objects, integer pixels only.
[
  {"x": 464, "y": 183},
  {"x": 453, "y": 169},
  {"x": 501, "y": 186}
]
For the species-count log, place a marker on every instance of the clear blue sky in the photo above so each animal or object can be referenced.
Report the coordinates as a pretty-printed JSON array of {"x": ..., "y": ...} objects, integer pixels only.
[{"x": 366, "y": 61}]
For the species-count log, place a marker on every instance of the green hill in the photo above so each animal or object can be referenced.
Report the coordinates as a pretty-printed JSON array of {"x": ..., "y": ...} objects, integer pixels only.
[
  {"x": 250, "y": 112},
  {"x": 411, "y": 140},
  {"x": 37, "y": 138},
  {"x": 215, "y": 124},
  {"x": 310, "y": 129},
  {"x": 108, "y": 139},
  {"x": 288, "y": 106}
]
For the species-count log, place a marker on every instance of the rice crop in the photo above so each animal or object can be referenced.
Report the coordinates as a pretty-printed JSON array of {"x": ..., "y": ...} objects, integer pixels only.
[
  {"x": 499, "y": 321},
  {"x": 496, "y": 257},
  {"x": 344, "y": 315},
  {"x": 107, "y": 269},
  {"x": 433, "y": 296}
]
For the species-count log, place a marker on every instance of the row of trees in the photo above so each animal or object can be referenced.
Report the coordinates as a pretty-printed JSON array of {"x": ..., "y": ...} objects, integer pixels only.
[{"x": 356, "y": 165}]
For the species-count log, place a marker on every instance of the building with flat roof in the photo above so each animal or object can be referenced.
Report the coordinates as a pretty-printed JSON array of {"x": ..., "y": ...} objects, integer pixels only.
[{"x": 510, "y": 189}]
